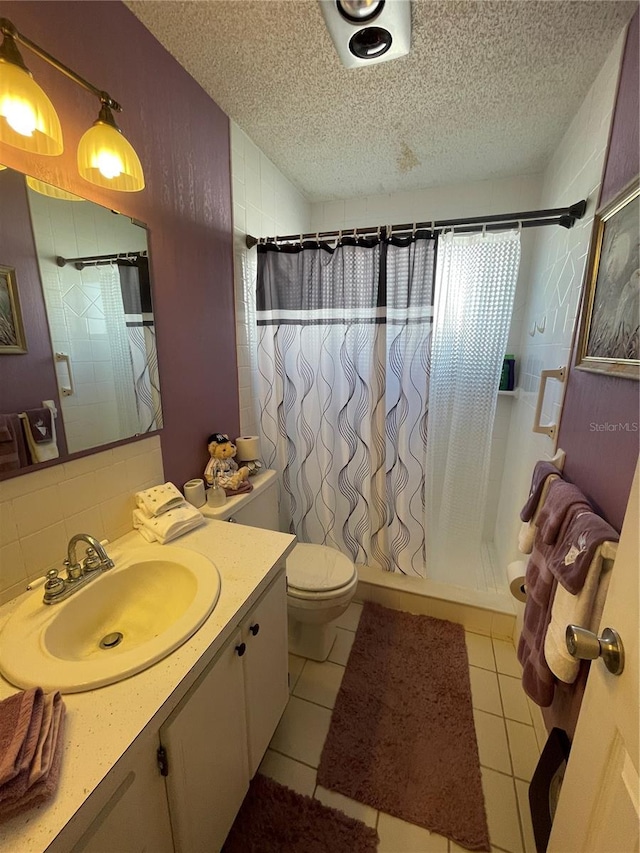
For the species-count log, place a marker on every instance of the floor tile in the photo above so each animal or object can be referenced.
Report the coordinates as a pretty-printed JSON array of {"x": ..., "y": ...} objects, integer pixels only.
[
  {"x": 295, "y": 668},
  {"x": 524, "y": 749},
  {"x": 480, "y": 651},
  {"x": 493, "y": 746},
  {"x": 288, "y": 772},
  {"x": 539, "y": 726},
  {"x": 342, "y": 646},
  {"x": 484, "y": 690},
  {"x": 506, "y": 660},
  {"x": 350, "y": 617},
  {"x": 398, "y": 835},
  {"x": 302, "y": 731},
  {"x": 344, "y": 804},
  {"x": 522, "y": 793},
  {"x": 514, "y": 699},
  {"x": 502, "y": 810},
  {"x": 319, "y": 682}
]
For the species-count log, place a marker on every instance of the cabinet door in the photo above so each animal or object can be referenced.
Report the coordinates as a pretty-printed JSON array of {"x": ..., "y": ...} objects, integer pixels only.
[
  {"x": 136, "y": 817},
  {"x": 205, "y": 740},
  {"x": 265, "y": 668}
]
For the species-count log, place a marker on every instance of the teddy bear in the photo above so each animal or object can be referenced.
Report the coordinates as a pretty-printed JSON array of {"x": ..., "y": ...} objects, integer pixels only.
[{"x": 222, "y": 467}]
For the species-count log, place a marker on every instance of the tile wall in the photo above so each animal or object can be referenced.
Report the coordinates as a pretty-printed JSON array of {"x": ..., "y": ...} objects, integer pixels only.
[
  {"x": 265, "y": 204},
  {"x": 546, "y": 319},
  {"x": 40, "y": 511}
]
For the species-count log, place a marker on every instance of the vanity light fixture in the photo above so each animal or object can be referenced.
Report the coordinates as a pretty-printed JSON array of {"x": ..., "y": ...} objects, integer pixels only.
[
  {"x": 28, "y": 120},
  {"x": 51, "y": 191}
]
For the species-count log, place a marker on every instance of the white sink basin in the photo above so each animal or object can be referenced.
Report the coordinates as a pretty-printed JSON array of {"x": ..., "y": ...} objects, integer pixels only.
[{"x": 155, "y": 598}]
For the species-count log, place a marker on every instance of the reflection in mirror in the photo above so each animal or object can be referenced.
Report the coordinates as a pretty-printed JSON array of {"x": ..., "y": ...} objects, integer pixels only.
[{"x": 95, "y": 278}]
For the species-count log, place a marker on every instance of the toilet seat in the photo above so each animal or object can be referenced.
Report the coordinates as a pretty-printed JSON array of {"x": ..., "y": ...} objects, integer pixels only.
[{"x": 319, "y": 572}]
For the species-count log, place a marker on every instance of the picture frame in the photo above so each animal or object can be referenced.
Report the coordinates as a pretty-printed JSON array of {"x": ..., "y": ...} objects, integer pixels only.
[
  {"x": 12, "y": 338},
  {"x": 609, "y": 339}
]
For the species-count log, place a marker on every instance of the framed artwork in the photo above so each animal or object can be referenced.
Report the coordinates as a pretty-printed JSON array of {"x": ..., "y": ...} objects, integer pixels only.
[
  {"x": 12, "y": 339},
  {"x": 609, "y": 339}
]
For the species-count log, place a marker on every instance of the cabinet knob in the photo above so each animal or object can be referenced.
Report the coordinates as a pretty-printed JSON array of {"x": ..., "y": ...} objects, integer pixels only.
[
  {"x": 254, "y": 629},
  {"x": 241, "y": 649}
]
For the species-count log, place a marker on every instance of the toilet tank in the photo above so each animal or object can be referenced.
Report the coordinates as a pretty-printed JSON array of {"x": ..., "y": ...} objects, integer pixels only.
[{"x": 258, "y": 508}]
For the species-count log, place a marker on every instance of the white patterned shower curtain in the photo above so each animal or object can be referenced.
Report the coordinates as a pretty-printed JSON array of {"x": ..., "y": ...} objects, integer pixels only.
[
  {"x": 344, "y": 338},
  {"x": 475, "y": 286}
]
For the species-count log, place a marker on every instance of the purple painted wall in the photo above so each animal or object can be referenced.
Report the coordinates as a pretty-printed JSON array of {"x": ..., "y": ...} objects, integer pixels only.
[
  {"x": 602, "y": 461},
  {"x": 182, "y": 139},
  {"x": 26, "y": 379}
]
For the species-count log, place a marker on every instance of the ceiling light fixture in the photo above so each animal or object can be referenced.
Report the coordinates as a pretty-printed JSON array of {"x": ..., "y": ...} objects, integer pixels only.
[
  {"x": 359, "y": 11},
  {"x": 29, "y": 121}
]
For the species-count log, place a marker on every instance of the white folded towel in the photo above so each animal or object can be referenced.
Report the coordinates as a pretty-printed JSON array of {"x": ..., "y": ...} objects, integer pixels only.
[
  {"x": 584, "y": 609},
  {"x": 159, "y": 499},
  {"x": 169, "y": 525}
]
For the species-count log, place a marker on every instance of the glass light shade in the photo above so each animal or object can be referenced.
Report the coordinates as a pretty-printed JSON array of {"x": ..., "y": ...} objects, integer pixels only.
[
  {"x": 49, "y": 190},
  {"x": 107, "y": 159},
  {"x": 28, "y": 119}
]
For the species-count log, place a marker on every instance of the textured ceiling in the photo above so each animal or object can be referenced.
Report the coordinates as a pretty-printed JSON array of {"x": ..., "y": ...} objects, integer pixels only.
[{"x": 487, "y": 90}]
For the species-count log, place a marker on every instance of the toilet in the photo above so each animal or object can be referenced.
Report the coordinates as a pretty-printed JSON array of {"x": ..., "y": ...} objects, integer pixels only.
[{"x": 321, "y": 581}]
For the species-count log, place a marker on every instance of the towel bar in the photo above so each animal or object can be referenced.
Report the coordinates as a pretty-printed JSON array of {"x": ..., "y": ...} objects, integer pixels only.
[{"x": 546, "y": 429}]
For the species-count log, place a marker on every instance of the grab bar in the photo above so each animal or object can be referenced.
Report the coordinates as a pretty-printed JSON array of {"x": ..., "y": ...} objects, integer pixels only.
[
  {"x": 67, "y": 390},
  {"x": 546, "y": 429}
]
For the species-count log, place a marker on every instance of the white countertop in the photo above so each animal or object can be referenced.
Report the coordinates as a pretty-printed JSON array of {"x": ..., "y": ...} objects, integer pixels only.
[{"x": 101, "y": 724}]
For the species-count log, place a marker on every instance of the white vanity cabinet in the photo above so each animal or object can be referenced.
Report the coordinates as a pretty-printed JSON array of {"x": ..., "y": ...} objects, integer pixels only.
[
  {"x": 135, "y": 818},
  {"x": 217, "y": 735},
  {"x": 266, "y": 688}
]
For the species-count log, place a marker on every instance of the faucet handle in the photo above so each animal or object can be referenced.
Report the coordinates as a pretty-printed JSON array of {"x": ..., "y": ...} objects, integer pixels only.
[
  {"x": 91, "y": 561},
  {"x": 53, "y": 585}
]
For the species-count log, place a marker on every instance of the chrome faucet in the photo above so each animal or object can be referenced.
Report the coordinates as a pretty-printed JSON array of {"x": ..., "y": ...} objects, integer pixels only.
[{"x": 95, "y": 562}]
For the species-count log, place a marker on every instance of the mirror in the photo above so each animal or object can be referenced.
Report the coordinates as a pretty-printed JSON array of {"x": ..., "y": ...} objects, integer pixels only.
[{"x": 93, "y": 267}]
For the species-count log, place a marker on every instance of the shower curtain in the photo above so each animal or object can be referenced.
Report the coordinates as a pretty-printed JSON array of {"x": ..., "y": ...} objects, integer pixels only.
[
  {"x": 138, "y": 314},
  {"x": 344, "y": 340},
  {"x": 475, "y": 286}
]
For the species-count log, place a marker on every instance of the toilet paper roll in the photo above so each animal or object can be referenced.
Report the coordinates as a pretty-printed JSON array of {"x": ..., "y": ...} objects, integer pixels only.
[
  {"x": 515, "y": 576},
  {"x": 194, "y": 492},
  {"x": 247, "y": 448}
]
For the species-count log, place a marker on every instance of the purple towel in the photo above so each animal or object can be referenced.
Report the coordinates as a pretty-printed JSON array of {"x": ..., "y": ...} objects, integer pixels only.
[
  {"x": 562, "y": 498},
  {"x": 13, "y": 450},
  {"x": 40, "y": 424},
  {"x": 537, "y": 679},
  {"x": 540, "y": 474},
  {"x": 572, "y": 556},
  {"x": 16, "y": 713},
  {"x": 43, "y": 789}
]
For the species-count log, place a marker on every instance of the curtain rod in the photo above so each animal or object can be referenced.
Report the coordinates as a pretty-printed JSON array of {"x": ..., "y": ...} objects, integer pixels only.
[
  {"x": 564, "y": 216},
  {"x": 98, "y": 260}
]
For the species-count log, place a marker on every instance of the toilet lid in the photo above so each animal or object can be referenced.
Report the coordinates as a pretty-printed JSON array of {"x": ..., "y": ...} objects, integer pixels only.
[{"x": 314, "y": 568}]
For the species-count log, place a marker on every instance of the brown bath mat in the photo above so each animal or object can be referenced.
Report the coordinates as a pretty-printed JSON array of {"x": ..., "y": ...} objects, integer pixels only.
[
  {"x": 402, "y": 738},
  {"x": 275, "y": 819}
]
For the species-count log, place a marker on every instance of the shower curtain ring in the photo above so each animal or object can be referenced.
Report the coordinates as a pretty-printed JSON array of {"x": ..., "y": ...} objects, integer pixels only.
[
  {"x": 413, "y": 233},
  {"x": 484, "y": 229},
  {"x": 519, "y": 226},
  {"x": 339, "y": 243}
]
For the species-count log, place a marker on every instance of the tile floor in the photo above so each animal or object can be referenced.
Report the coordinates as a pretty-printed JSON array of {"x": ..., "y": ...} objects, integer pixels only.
[{"x": 506, "y": 741}]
